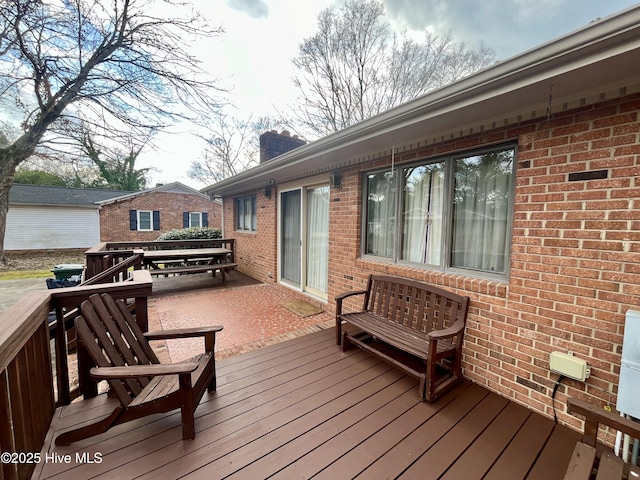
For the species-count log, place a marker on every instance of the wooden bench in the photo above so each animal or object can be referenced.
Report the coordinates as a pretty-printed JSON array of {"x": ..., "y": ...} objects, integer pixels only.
[
  {"x": 222, "y": 267},
  {"x": 421, "y": 323},
  {"x": 589, "y": 456}
]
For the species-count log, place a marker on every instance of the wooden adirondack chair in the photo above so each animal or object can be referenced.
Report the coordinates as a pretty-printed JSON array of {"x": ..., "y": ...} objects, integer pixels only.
[{"x": 124, "y": 358}]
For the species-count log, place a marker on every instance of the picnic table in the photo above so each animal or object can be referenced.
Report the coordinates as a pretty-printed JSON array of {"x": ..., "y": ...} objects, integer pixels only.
[{"x": 214, "y": 259}]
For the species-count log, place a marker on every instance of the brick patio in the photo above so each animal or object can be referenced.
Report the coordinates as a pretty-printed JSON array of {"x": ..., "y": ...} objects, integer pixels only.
[{"x": 252, "y": 314}]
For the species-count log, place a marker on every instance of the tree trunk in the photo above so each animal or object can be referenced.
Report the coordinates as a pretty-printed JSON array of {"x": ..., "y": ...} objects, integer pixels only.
[
  {"x": 7, "y": 173},
  {"x": 10, "y": 158}
]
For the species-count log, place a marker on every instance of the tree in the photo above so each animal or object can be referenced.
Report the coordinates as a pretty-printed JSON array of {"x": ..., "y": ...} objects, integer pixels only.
[
  {"x": 121, "y": 65},
  {"x": 233, "y": 147},
  {"x": 354, "y": 67},
  {"x": 117, "y": 170},
  {"x": 39, "y": 177}
]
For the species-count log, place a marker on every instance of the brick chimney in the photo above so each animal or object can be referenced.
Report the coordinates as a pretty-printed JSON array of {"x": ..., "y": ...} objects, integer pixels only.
[{"x": 274, "y": 144}]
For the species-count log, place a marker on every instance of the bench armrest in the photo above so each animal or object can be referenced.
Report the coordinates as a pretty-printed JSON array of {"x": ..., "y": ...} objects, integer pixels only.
[
  {"x": 339, "y": 299},
  {"x": 105, "y": 373},
  {"x": 448, "y": 332},
  {"x": 344, "y": 295}
]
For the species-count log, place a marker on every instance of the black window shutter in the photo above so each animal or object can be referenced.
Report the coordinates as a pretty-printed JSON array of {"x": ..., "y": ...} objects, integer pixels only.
[
  {"x": 133, "y": 220},
  {"x": 156, "y": 220},
  {"x": 205, "y": 219},
  {"x": 185, "y": 219}
]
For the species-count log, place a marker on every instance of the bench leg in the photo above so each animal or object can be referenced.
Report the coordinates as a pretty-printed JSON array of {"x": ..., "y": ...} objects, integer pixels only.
[
  {"x": 345, "y": 341},
  {"x": 422, "y": 388},
  {"x": 429, "y": 392}
]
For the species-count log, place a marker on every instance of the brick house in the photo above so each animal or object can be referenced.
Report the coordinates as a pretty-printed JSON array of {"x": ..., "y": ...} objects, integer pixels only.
[
  {"x": 144, "y": 215},
  {"x": 518, "y": 186}
]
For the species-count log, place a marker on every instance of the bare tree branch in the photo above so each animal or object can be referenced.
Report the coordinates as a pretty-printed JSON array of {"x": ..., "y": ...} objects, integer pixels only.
[
  {"x": 354, "y": 67},
  {"x": 122, "y": 64},
  {"x": 233, "y": 147}
]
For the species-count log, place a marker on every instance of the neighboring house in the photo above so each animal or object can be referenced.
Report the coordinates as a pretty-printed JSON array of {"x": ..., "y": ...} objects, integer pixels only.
[
  {"x": 146, "y": 214},
  {"x": 44, "y": 217},
  {"x": 518, "y": 186}
]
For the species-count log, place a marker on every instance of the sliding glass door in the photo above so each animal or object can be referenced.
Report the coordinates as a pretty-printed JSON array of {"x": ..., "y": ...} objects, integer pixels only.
[{"x": 304, "y": 246}]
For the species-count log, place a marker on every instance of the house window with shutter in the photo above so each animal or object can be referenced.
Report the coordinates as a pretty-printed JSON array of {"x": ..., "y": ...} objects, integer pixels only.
[
  {"x": 144, "y": 220},
  {"x": 195, "y": 219}
]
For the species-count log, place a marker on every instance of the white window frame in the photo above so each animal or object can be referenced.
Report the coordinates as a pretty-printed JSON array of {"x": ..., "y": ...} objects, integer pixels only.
[
  {"x": 140, "y": 229},
  {"x": 254, "y": 213},
  {"x": 198, "y": 215}
]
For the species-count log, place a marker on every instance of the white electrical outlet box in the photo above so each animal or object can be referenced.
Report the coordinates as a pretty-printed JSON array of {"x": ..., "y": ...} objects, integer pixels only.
[{"x": 569, "y": 366}]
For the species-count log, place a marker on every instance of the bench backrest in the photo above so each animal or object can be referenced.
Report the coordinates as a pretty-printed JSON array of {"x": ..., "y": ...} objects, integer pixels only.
[{"x": 416, "y": 305}]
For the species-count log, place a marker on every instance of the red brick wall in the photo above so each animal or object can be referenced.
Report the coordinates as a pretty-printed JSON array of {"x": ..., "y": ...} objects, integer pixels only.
[
  {"x": 255, "y": 251},
  {"x": 114, "y": 217},
  {"x": 575, "y": 260}
]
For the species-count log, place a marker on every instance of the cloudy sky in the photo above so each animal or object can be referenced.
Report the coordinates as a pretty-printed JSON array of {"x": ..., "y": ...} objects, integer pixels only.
[{"x": 252, "y": 59}]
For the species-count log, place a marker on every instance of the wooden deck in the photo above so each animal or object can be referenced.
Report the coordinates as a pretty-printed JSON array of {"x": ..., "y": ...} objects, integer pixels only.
[{"x": 303, "y": 409}]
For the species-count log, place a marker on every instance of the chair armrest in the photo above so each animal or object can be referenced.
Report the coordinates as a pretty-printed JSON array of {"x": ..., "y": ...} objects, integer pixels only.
[
  {"x": 182, "y": 333},
  {"x": 105, "y": 373},
  {"x": 451, "y": 331}
]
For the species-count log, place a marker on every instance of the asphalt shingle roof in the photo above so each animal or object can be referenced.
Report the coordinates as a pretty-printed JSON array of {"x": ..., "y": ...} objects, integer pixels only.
[{"x": 48, "y": 195}]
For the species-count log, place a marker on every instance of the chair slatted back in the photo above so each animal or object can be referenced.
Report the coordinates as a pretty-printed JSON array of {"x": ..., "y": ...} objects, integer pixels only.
[
  {"x": 114, "y": 339},
  {"x": 416, "y": 305}
]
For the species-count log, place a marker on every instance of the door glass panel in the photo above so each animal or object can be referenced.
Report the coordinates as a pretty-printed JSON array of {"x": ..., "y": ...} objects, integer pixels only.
[{"x": 290, "y": 237}]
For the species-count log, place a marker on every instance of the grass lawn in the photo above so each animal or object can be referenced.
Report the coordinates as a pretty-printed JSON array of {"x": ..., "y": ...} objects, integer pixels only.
[{"x": 20, "y": 274}]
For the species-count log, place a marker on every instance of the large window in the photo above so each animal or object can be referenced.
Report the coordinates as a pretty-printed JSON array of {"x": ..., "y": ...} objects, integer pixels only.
[
  {"x": 454, "y": 213},
  {"x": 246, "y": 213}
]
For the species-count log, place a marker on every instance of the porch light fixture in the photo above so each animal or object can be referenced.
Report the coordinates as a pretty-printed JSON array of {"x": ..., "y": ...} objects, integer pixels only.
[
  {"x": 335, "y": 180},
  {"x": 267, "y": 191}
]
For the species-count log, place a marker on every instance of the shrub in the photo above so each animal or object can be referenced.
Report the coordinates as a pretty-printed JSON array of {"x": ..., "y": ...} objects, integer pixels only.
[{"x": 192, "y": 233}]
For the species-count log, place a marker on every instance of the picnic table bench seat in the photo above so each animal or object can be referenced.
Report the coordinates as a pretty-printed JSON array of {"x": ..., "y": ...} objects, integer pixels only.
[
  {"x": 421, "y": 320},
  {"x": 183, "y": 269}
]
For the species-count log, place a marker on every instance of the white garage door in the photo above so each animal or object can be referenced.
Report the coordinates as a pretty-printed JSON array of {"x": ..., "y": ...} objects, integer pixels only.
[{"x": 43, "y": 228}]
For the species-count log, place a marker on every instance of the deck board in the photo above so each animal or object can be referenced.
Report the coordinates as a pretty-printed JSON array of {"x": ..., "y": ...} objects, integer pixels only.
[
  {"x": 522, "y": 451},
  {"x": 554, "y": 455},
  {"x": 381, "y": 448},
  {"x": 304, "y": 409},
  {"x": 478, "y": 458},
  {"x": 444, "y": 436}
]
